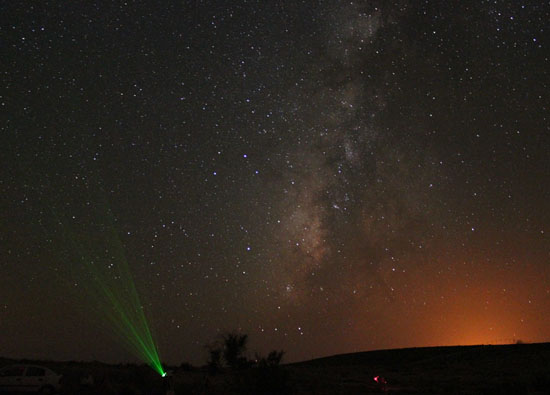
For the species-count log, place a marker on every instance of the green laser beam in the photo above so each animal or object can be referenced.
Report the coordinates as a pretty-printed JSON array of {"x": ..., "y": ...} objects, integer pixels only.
[
  {"x": 109, "y": 284},
  {"x": 92, "y": 251}
]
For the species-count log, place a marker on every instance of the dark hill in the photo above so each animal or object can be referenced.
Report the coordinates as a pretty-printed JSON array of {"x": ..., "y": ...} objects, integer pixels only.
[{"x": 502, "y": 369}]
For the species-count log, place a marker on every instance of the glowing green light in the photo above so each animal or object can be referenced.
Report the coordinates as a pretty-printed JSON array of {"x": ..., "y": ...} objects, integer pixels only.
[{"x": 97, "y": 260}]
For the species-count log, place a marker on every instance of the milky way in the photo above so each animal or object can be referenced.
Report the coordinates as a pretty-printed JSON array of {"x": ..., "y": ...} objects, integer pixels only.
[{"x": 326, "y": 176}]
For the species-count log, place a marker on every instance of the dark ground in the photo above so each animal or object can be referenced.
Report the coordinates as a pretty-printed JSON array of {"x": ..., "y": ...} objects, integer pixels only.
[{"x": 503, "y": 369}]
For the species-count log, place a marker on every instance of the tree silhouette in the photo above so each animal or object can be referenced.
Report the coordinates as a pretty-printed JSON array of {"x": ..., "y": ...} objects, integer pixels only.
[
  {"x": 214, "y": 359},
  {"x": 234, "y": 347}
]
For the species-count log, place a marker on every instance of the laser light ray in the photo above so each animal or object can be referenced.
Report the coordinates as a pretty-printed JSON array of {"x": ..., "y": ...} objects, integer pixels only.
[{"x": 98, "y": 265}]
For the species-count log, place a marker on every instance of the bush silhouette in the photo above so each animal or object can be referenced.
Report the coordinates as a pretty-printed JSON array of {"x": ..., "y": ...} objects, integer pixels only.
[
  {"x": 234, "y": 347},
  {"x": 230, "y": 348},
  {"x": 260, "y": 376},
  {"x": 272, "y": 360},
  {"x": 214, "y": 363}
]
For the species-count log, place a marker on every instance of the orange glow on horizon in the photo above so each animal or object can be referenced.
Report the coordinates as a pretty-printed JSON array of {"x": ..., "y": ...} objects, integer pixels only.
[{"x": 462, "y": 304}]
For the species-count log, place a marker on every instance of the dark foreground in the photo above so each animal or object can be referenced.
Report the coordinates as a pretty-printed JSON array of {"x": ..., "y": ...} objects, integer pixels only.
[{"x": 506, "y": 369}]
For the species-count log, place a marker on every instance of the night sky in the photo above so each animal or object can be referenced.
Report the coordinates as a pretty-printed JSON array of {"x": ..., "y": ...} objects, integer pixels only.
[{"x": 326, "y": 176}]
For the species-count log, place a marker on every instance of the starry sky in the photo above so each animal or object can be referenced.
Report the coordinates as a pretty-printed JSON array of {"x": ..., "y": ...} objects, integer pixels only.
[{"x": 326, "y": 176}]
